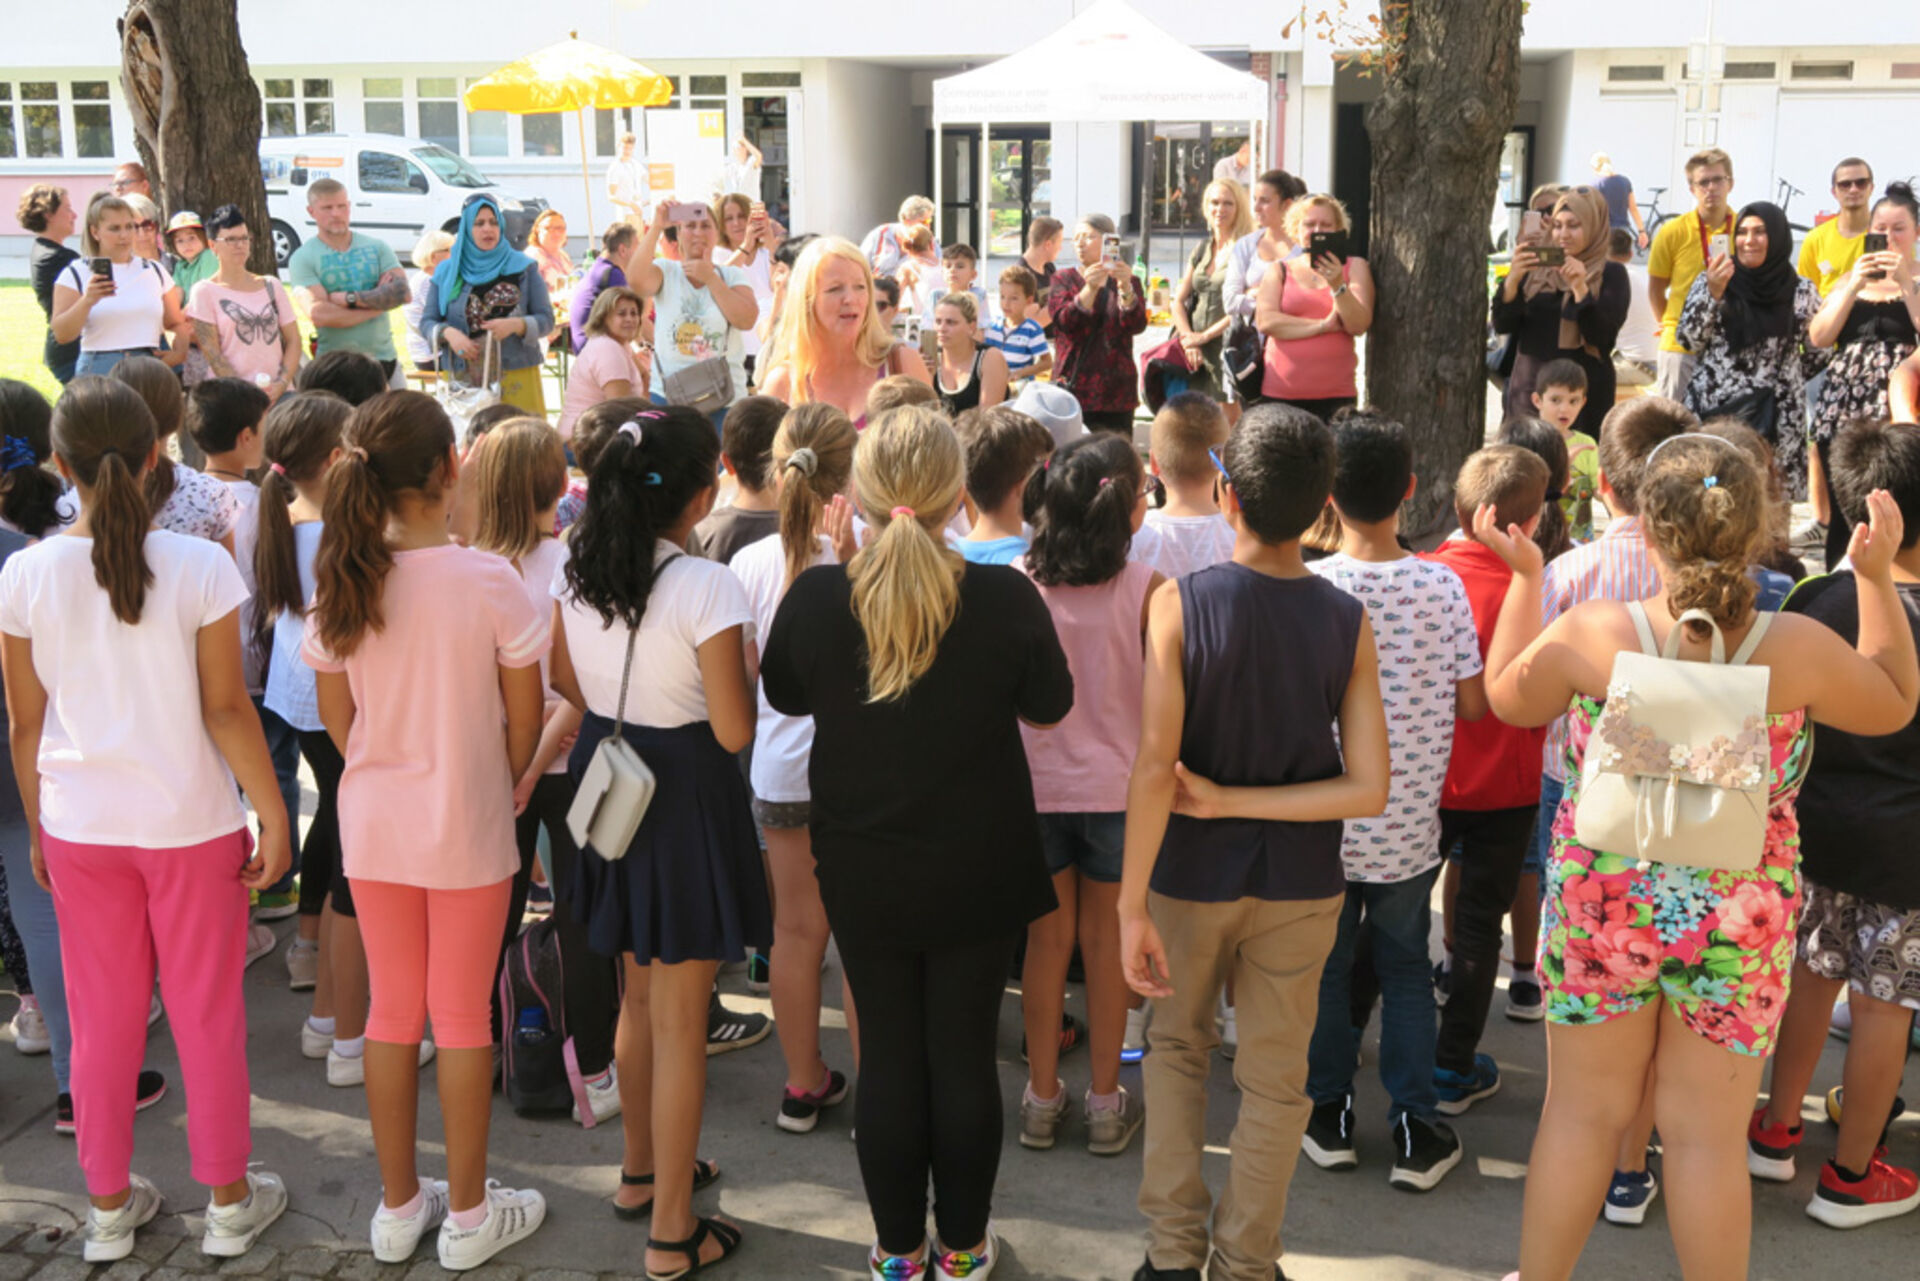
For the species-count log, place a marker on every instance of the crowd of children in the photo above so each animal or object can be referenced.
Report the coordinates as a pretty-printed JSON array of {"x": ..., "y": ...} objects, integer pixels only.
[{"x": 1165, "y": 719}]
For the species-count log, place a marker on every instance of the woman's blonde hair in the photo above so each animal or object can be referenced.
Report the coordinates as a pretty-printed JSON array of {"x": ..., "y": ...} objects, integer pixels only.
[
  {"x": 801, "y": 340},
  {"x": 1297, "y": 214},
  {"x": 813, "y": 459},
  {"x": 963, "y": 302},
  {"x": 603, "y": 304},
  {"x": 1242, "y": 207},
  {"x": 102, "y": 204},
  {"x": 907, "y": 475},
  {"x": 1704, "y": 507},
  {"x": 521, "y": 473},
  {"x": 428, "y": 245}
]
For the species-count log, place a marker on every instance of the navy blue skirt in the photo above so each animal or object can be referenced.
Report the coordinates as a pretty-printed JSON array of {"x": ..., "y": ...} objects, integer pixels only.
[{"x": 692, "y": 886}]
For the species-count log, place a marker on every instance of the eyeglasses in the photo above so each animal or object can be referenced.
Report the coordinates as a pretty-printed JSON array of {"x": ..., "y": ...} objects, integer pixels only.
[
  {"x": 233, "y": 240},
  {"x": 1853, "y": 184},
  {"x": 145, "y": 225},
  {"x": 1715, "y": 181}
]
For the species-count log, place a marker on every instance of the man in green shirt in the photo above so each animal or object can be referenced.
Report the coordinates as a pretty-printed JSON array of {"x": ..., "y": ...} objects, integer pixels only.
[{"x": 348, "y": 282}]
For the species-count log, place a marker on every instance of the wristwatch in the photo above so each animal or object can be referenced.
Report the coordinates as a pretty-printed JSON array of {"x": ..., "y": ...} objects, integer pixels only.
[
  {"x": 1339, "y": 289},
  {"x": 353, "y": 300}
]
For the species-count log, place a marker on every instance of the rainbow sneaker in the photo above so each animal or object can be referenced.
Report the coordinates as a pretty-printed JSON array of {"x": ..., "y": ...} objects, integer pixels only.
[
  {"x": 894, "y": 1267},
  {"x": 956, "y": 1264}
]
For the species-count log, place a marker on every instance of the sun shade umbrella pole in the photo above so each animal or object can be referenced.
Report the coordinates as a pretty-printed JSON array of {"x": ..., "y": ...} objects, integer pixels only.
[{"x": 586, "y": 175}]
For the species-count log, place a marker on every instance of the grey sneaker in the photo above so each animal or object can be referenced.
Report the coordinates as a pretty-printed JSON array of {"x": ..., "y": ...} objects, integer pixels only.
[
  {"x": 1811, "y": 534},
  {"x": 1109, "y": 1131},
  {"x": 110, "y": 1232},
  {"x": 1040, "y": 1122},
  {"x": 232, "y": 1229}
]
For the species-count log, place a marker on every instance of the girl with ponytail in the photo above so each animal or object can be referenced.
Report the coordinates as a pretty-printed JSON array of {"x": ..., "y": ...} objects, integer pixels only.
[
  {"x": 300, "y": 441},
  {"x": 181, "y": 499},
  {"x": 691, "y": 891},
  {"x": 1088, "y": 502},
  {"x": 423, "y": 651},
  {"x": 812, "y": 463},
  {"x": 134, "y": 633},
  {"x": 29, "y": 491},
  {"x": 917, "y": 669},
  {"x": 1625, "y": 937}
]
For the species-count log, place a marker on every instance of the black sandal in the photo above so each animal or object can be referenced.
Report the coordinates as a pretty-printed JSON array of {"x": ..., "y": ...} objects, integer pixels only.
[
  {"x": 725, "y": 1233},
  {"x": 704, "y": 1173}
]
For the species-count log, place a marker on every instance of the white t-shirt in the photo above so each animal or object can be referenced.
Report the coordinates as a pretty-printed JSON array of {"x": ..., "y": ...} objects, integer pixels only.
[
  {"x": 687, "y": 324},
  {"x": 419, "y": 351},
  {"x": 125, "y": 757},
  {"x": 133, "y": 315},
  {"x": 782, "y": 745},
  {"x": 1423, "y": 629},
  {"x": 742, "y": 176},
  {"x": 692, "y": 601},
  {"x": 291, "y": 692},
  {"x": 539, "y": 569},
  {"x": 1187, "y": 543},
  {"x": 1639, "y": 338},
  {"x": 246, "y": 536},
  {"x": 628, "y": 180}
]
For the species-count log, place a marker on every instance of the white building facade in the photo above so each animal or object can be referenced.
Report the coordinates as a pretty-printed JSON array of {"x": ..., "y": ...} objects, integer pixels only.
[{"x": 838, "y": 95}]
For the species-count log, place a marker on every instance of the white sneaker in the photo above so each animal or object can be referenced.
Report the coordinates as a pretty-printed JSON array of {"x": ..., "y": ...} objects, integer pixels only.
[
  {"x": 396, "y": 1238},
  {"x": 232, "y": 1229},
  {"x": 513, "y": 1215},
  {"x": 110, "y": 1232},
  {"x": 261, "y": 941},
  {"x": 314, "y": 1045},
  {"x": 964, "y": 1263},
  {"x": 1229, "y": 1033},
  {"x": 343, "y": 1071},
  {"x": 1839, "y": 1023},
  {"x": 303, "y": 964},
  {"x": 1133, "y": 1043},
  {"x": 603, "y": 1098},
  {"x": 30, "y": 1034}
]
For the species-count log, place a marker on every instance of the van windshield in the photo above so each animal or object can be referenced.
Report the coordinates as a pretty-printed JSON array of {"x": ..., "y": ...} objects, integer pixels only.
[{"x": 452, "y": 169}]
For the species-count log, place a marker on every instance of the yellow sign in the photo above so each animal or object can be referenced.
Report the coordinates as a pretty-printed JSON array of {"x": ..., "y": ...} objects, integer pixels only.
[
  {"x": 659, "y": 177},
  {"x": 713, "y": 124}
]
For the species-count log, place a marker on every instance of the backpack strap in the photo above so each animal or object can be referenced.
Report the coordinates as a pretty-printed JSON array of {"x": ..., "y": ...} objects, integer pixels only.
[
  {"x": 1718, "y": 653},
  {"x": 1762, "y": 620},
  {"x": 1643, "y": 629}
]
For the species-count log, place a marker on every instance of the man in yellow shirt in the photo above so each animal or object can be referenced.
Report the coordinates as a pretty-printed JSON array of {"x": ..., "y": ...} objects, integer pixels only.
[
  {"x": 1679, "y": 254},
  {"x": 1829, "y": 251}
]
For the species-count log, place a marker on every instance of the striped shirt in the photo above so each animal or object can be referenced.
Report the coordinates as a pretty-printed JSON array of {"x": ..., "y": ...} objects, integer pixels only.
[
  {"x": 1023, "y": 346},
  {"x": 1615, "y": 566}
]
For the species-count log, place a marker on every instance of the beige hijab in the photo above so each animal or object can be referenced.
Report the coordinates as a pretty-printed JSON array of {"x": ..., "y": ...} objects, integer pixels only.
[{"x": 1590, "y": 207}]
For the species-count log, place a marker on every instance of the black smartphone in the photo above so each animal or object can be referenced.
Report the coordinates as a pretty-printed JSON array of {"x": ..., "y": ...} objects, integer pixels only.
[
  {"x": 104, "y": 266},
  {"x": 1327, "y": 242},
  {"x": 1874, "y": 242},
  {"x": 1550, "y": 255}
]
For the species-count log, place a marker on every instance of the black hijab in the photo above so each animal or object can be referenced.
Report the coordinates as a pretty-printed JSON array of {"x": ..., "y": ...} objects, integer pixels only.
[{"x": 1759, "y": 300}]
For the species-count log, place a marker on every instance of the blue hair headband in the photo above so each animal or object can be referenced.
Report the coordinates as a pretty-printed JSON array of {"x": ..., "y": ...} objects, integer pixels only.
[{"x": 16, "y": 453}]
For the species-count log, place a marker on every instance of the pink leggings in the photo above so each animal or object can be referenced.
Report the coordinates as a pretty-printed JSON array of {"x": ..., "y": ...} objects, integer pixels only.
[
  {"x": 121, "y": 910},
  {"x": 431, "y": 950}
]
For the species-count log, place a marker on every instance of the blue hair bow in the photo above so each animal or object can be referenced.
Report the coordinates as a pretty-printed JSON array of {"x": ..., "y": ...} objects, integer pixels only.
[{"x": 16, "y": 453}]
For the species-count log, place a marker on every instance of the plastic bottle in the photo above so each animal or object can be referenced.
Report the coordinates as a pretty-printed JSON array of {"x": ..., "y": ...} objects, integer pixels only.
[{"x": 530, "y": 1027}]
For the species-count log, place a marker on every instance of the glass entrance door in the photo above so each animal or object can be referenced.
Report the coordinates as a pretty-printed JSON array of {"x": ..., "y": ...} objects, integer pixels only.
[
  {"x": 772, "y": 123},
  {"x": 1022, "y": 166}
]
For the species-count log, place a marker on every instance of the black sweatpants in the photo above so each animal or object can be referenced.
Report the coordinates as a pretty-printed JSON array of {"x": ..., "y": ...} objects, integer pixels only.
[
  {"x": 320, "y": 876},
  {"x": 929, "y": 1099},
  {"x": 1493, "y": 845}
]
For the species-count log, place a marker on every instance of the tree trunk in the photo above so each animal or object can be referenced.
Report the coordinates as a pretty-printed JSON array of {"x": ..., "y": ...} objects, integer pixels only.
[
  {"x": 196, "y": 111},
  {"x": 1447, "y": 100}
]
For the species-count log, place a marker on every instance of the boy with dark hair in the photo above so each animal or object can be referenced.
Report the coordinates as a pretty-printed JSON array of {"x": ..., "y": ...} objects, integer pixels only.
[
  {"x": 353, "y": 377},
  {"x": 746, "y": 447},
  {"x": 1017, "y": 335},
  {"x": 1430, "y": 672},
  {"x": 1002, "y": 448},
  {"x": 1860, "y": 926},
  {"x": 1246, "y": 880},
  {"x": 1189, "y": 532},
  {"x": 1559, "y": 394},
  {"x": 961, "y": 266},
  {"x": 1492, "y": 789}
]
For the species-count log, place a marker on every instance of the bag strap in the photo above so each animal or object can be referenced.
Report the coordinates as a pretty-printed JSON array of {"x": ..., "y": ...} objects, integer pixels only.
[
  {"x": 626, "y": 671},
  {"x": 1762, "y": 620},
  {"x": 1671, "y": 649},
  {"x": 1643, "y": 629}
]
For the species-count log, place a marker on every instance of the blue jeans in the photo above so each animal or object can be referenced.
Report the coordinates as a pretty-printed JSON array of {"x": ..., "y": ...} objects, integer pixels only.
[
  {"x": 1551, "y": 791},
  {"x": 1401, "y": 924},
  {"x": 283, "y": 747},
  {"x": 39, "y": 931},
  {"x": 102, "y": 362}
]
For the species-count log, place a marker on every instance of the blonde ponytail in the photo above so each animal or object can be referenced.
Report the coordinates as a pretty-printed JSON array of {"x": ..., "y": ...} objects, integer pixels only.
[
  {"x": 813, "y": 459},
  {"x": 907, "y": 474}
]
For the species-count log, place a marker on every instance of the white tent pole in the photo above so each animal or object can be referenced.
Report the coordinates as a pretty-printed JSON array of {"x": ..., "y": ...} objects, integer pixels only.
[
  {"x": 984, "y": 232},
  {"x": 939, "y": 152}
]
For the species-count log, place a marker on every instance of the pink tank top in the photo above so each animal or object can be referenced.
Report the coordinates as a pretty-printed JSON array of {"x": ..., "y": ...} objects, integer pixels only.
[
  {"x": 1317, "y": 368},
  {"x": 1080, "y": 766}
]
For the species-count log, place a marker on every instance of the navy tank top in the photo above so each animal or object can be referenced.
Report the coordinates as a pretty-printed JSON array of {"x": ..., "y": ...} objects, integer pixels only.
[{"x": 1267, "y": 662}]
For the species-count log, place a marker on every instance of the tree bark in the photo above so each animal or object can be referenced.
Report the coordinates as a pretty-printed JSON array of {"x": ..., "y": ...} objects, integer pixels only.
[
  {"x": 1447, "y": 100},
  {"x": 196, "y": 111}
]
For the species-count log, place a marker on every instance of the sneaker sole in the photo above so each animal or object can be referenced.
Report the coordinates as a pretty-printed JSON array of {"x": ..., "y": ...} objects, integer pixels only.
[
  {"x": 109, "y": 1251},
  {"x": 1629, "y": 1216},
  {"x": 234, "y": 1247},
  {"x": 1424, "y": 1180},
  {"x": 393, "y": 1255},
  {"x": 1038, "y": 1143},
  {"x": 1454, "y": 1107},
  {"x": 1526, "y": 1013},
  {"x": 798, "y": 1124},
  {"x": 1114, "y": 1147},
  {"x": 32, "y": 1047},
  {"x": 1330, "y": 1158},
  {"x": 505, "y": 1243},
  {"x": 280, "y": 913},
  {"x": 1836, "y": 1215},
  {"x": 728, "y": 1047},
  {"x": 1771, "y": 1169}
]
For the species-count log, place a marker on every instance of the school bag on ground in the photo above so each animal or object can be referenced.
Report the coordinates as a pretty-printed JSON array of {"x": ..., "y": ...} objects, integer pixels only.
[
  {"x": 539, "y": 1071},
  {"x": 1677, "y": 768}
]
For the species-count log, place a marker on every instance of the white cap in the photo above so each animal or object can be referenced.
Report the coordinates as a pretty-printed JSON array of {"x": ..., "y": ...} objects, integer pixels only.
[{"x": 1053, "y": 407}]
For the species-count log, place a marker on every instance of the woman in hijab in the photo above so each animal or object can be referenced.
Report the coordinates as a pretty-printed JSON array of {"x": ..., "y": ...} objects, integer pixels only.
[
  {"x": 1746, "y": 319},
  {"x": 487, "y": 289},
  {"x": 1565, "y": 301}
]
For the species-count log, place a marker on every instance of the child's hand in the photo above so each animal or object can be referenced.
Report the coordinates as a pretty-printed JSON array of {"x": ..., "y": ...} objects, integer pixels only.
[
  {"x": 1511, "y": 545},
  {"x": 39, "y": 861},
  {"x": 271, "y": 859},
  {"x": 1143, "y": 957},
  {"x": 523, "y": 792},
  {"x": 1873, "y": 545},
  {"x": 1197, "y": 797},
  {"x": 837, "y": 523}
]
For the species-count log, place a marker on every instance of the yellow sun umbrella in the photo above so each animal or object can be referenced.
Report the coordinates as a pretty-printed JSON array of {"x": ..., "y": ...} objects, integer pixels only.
[{"x": 571, "y": 76}]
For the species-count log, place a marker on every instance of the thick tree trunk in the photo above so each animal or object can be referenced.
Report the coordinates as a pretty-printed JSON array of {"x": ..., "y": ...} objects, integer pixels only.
[
  {"x": 196, "y": 110},
  {"x": 1446, "y": 102}
]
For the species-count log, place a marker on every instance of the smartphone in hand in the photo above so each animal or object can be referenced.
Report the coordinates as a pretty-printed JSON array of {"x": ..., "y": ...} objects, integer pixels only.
[
  {"x": 1874, "y": 242},
  {"x": 1110, "y": 250},
  {"x": 1327, "y": 242},
  {"x": 1550, "y": 255},
  {"x": 1718, "y": 245},
  {"x": 686, "y": 211}
]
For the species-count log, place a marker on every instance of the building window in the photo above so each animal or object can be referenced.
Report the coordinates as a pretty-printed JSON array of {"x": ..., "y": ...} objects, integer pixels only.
[
  {"x": 769, "y": 79},
  {"x": 486, "y": 132},
  {"x": 1751, "y": 70},
  {"x": 540, "y": 134},
  {"x": 40, "y": 113},
  {"x": 289, "y": 114},
  {"x": 385, "y": 113},
  {"x": 9, "y": 141},
  {"x": 92, "y": 120},
  {"x": 283, "y": 115},
  {"x": 1823, "y": 71},
  {"x": 1901, "y": 71},
  {"x": 608, "y": 124},
  {"x": 1650, "y": 72},
  {"x": 316, "y": 105},
  {"x": 438, "y": 111}
]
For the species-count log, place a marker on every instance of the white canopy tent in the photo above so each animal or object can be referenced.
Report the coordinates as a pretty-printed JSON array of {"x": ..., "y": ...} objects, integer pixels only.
[{"x": 1106, "y": 64}]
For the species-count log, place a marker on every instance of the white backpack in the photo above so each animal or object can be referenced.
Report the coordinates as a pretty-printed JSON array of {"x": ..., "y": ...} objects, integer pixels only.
[{"x": 1678, "y": 765}]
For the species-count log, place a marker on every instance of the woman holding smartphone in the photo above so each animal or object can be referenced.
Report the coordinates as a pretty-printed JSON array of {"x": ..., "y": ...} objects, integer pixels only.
[
  {"x": 746, "y": 240},
  {"x": 1311, "y": 308},
  {"x": 116, "y": 303},
  {"x": 1872, "y": 322},
  {"x": 1098, "y": 307}
]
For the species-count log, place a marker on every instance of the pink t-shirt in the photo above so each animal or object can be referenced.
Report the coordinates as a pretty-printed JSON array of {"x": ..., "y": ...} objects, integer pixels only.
[
  {"x": 601, "y": 361},
  {"x": 249, "y": 325},
  {"x": 427, "y": 796},
  {"x": 1080, "y": 766},
  {"x": 1317, "y": 368}
]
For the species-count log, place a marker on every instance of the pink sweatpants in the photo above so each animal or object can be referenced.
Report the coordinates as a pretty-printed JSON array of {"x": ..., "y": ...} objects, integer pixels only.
[
  {"x": 121, "y": 910},
  {"x": 431, "y": 950}
]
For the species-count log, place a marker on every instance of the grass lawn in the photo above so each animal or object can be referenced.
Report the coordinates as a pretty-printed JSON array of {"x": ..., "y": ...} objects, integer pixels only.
[{"x": 22, "y": 331}]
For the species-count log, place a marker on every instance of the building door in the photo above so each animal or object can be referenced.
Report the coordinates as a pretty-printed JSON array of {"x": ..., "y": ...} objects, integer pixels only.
[
  {"x": 1516, "y": 182},
  {"x": 1021, "y": 161},
  {"x": 1353, "y": 170},
  {"x": 959, "y": 197},
  {"x": 771, "y": 122}
]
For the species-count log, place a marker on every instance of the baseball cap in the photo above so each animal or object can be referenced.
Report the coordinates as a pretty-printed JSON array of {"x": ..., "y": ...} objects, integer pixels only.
[
  {"x": 1053, "y": 407},
  {"x": 186, "y": 220}
]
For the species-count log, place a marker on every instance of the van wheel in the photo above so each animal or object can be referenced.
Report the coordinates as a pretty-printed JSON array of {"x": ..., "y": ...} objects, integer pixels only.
[{"x": 285, "y": 241}]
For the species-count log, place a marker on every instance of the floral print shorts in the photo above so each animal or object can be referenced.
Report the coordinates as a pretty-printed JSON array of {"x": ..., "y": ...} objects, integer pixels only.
[
  {"x": 1875, "y": 948},
  {"x": 1718, "y": 946}
]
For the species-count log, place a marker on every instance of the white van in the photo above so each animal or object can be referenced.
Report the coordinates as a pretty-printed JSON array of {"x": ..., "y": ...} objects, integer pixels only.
[{"x": 400, "y": 187}]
